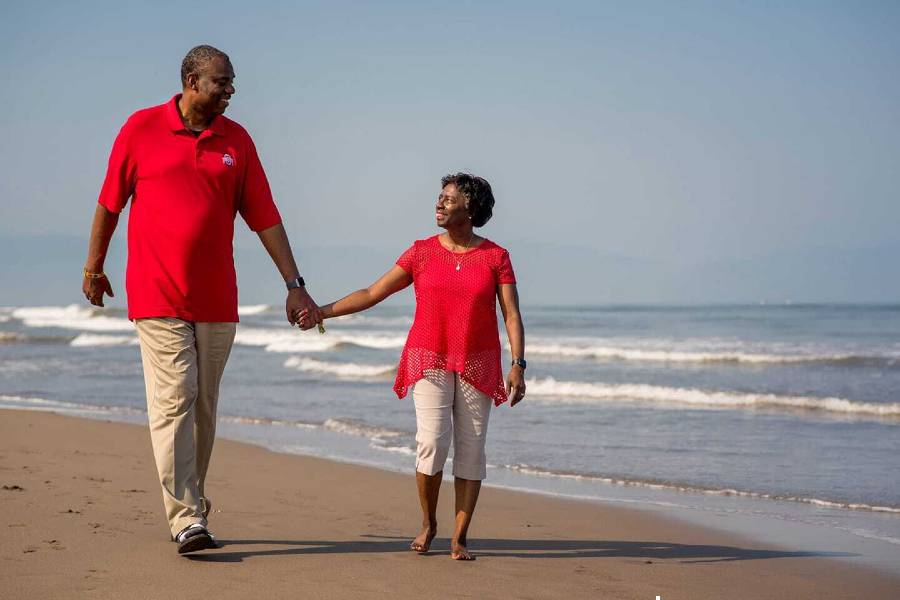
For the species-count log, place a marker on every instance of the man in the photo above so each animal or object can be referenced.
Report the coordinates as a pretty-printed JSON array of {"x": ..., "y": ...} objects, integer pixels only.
[{"x": 189, "y": 171}]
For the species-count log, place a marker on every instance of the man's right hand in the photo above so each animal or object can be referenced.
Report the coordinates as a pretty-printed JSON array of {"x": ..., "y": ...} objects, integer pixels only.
[
  {"x": 102, "y": 229},
  {"x": 94, "y": 288},
  {"x": 299, "y": 301}
]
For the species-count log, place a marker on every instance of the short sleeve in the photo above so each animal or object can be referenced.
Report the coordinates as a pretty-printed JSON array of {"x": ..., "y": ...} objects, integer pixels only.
[
  {"x": 118, "y": 186},
  {"x": 256, "y": 205},
  {"x": 505, "y": 273},
  {"x": 408, "y": 259}
]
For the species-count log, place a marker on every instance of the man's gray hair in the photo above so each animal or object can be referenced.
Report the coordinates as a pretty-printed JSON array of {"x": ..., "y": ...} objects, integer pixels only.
[{"x": 197, "y": 58}]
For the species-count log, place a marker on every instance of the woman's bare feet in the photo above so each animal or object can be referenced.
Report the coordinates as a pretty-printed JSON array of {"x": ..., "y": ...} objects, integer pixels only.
[
  {"x": 422, "y": 542},
  {"x": 458, "y": 550}
]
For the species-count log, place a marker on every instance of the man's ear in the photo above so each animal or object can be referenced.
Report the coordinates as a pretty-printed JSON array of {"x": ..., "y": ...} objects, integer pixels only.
[{"x": 193, "y": 82}]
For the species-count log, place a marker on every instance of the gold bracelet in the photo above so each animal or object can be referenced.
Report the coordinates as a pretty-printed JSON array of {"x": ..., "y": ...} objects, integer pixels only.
[{"x": 89, "y": 275}]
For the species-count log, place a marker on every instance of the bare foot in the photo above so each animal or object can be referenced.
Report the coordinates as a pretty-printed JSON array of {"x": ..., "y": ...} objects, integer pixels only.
[
  {"x": 423, "y": 541},
  {"x": 458, "y": 551}
]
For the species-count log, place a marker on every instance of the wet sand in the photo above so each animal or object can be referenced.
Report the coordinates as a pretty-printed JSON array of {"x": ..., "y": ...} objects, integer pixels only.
[{"x": 82, "y": 518}]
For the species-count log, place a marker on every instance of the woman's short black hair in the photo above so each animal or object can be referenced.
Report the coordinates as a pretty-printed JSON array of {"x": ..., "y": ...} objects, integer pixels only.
[{"x": 479, "y": 197}]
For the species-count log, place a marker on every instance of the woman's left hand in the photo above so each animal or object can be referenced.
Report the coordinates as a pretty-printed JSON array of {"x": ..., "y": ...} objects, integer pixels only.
[{"x": 515, "y": 385}]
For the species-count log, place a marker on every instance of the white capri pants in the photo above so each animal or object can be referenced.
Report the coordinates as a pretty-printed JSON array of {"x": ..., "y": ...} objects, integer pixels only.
[{"x": 449, "y": 409}]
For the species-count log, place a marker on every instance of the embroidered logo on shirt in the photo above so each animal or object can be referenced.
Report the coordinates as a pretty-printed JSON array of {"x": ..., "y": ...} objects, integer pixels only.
[{"x": 227, "y": 160}]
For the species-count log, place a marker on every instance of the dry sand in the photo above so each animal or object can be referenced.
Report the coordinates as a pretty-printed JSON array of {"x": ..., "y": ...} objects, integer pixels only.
[{"x": 82, "y": 518}]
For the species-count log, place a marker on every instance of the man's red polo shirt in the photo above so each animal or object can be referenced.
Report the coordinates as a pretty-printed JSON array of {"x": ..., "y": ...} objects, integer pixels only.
[{"x": 185, "y": 191}]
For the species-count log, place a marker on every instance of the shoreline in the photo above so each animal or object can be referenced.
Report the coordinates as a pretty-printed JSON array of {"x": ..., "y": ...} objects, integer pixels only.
[
  {"x": 87, "y": 521},
  {"x": 134, "y": 415},
  {"x": 771, "y": 521}
]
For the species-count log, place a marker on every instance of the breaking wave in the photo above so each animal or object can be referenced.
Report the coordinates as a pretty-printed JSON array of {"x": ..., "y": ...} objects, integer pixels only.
[
  {"x": 597, "y": 393},
  {"x": 252, "y": 309},
  {"x": 91, "y": 339},
  {"x": 292, "y": 340},
  {"x": 347, "y": 370},
  {"x": 617, "y": 353},
  {"x": 71, "y": 317}
]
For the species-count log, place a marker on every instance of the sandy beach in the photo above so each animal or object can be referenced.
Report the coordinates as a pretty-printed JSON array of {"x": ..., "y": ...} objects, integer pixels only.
[{"x": 82, "y": 518}]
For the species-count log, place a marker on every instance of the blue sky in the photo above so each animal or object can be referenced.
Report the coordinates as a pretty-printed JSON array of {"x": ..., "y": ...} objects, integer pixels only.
[{"x": 640, "y": 152}]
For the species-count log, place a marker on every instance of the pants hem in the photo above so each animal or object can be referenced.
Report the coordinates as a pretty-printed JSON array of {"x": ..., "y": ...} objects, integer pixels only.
[
  {"x": 180, "y": 524},
  {"x": 432, "y": 471},
  {"x": 477, "y": 473}
]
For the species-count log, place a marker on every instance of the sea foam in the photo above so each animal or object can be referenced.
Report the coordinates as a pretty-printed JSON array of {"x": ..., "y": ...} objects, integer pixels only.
[
  {"x": 289, "y": 340},
  {"x": 657, "y": 484},
  {"x": 91, "y": 339},
  {"x": 588, "y": 350},
  {"x": 252, "y": 309},
  {"x": 71, "y": 317},
  {"x": 597, "y": 393},
  {"x": 344, "y": 370}
]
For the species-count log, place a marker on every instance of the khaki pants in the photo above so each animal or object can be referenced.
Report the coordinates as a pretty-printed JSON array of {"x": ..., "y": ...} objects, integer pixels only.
[
  {"x": 183, "y": 364},
  {"x": 450, "y": 410}
]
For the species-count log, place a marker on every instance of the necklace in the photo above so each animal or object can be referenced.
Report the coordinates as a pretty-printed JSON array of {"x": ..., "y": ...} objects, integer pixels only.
[{"x": 466, "y": 251}]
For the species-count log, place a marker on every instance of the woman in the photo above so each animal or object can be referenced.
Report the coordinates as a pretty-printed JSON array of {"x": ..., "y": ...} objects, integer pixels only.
[{"x": 452, "y": 355}]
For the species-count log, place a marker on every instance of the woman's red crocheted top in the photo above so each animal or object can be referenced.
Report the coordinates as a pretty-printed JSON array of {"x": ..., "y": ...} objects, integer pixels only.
[{"x": 455, "y": 327}]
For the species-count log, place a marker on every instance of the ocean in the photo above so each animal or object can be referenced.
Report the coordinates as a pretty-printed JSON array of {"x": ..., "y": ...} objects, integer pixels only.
[{"x": 788, "y": 415}]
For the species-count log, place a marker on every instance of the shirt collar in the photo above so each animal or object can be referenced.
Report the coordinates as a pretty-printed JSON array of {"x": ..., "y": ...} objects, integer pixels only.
[{"x": 217, "y": 126}]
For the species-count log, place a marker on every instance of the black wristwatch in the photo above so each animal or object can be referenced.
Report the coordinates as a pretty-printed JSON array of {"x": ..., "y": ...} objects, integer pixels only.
[
  {"x": 519, "y": 361},
  {"x": 296, "y": 283}
]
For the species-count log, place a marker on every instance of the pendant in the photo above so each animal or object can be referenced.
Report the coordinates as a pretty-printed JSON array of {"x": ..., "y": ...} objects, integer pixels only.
[{"x": 457, "y": 266}]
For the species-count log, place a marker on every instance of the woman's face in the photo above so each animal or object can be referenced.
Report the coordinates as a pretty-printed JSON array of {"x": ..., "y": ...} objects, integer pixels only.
[{"x": 451, "y": 210}]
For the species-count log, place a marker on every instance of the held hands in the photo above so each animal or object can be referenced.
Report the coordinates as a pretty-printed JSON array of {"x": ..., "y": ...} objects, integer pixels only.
[
  {"x": 515, "y": 385},
  {"x": 94, "y": 285},
  {"x": 299, "y": 303},
  {"x": 305, "y": 319}
]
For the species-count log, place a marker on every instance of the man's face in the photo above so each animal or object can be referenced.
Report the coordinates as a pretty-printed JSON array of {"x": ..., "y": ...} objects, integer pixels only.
[{"x": 214, "y": 86}]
